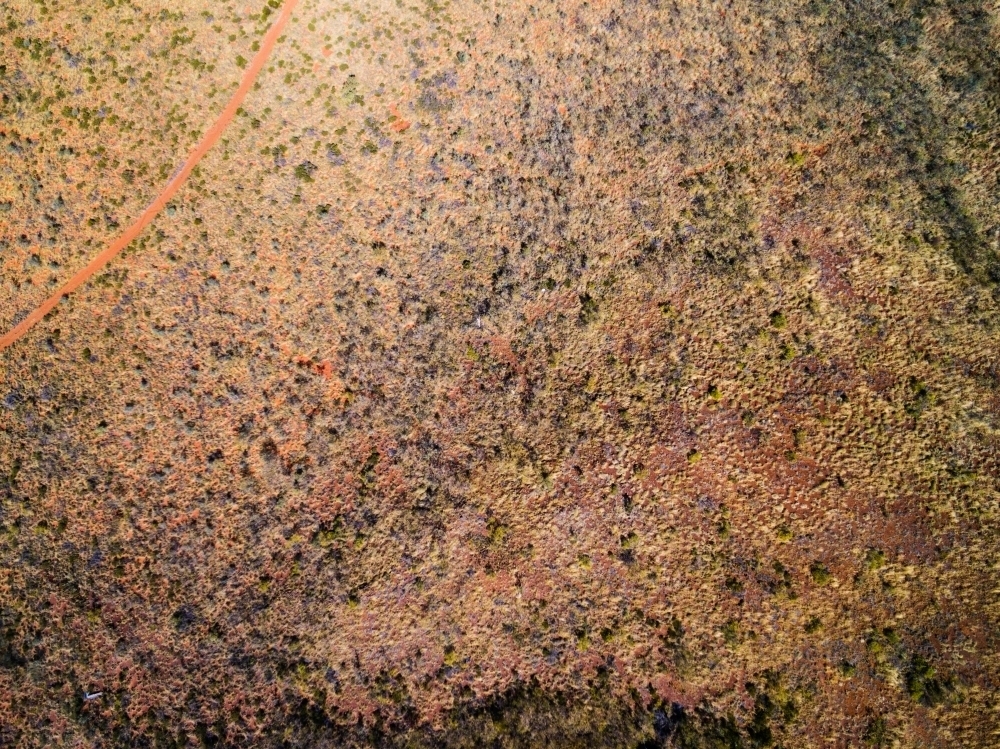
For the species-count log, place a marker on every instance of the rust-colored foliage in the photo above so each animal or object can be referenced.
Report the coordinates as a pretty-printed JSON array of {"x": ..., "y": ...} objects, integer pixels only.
[{"x": 510, "y": 374}]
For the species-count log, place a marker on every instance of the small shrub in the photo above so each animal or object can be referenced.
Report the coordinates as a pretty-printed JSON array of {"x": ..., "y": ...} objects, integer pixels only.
[
  {"x": 874, "y": 559},
  {"x": 588, "y": 308},
  {"x": 820, "y": 573},
  {"x": 731, "y": 631},
  {"x": 877, "y": 733}
]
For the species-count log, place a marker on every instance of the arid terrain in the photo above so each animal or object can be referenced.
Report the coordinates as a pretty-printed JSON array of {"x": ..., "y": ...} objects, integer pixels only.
[{"x": 557, "y": 373}]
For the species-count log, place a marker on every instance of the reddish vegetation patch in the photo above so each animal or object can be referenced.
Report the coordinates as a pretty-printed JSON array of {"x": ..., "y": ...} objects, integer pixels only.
[{"x": 559, "y": 374}]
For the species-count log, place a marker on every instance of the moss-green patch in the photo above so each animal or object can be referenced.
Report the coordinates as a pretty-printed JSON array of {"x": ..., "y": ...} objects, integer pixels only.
[
  {"x": 497, "y": 532},
  {"x": 921, "y": 398},
  {"x": 877, "y": 734},
  {"x": 327, "y": 536},
  {"x": 874, "y": 559},
  {"x": 922, "y": 683},
  {"x": 820, "y": 573},
  {"x": 588, "y": 308},
  {"x": 305, "y": 171},
  {"x": 731, "y": 632},
  {"x": 781, "y": 584},
  {"x": 796, "y": 158}
]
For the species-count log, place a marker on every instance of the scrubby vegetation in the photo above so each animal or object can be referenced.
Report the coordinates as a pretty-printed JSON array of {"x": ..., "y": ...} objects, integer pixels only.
[{"x": 511, "y": 374}]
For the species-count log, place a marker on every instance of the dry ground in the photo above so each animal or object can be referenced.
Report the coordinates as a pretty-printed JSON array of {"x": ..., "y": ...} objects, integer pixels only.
[{"x": 511, "y": 374}]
